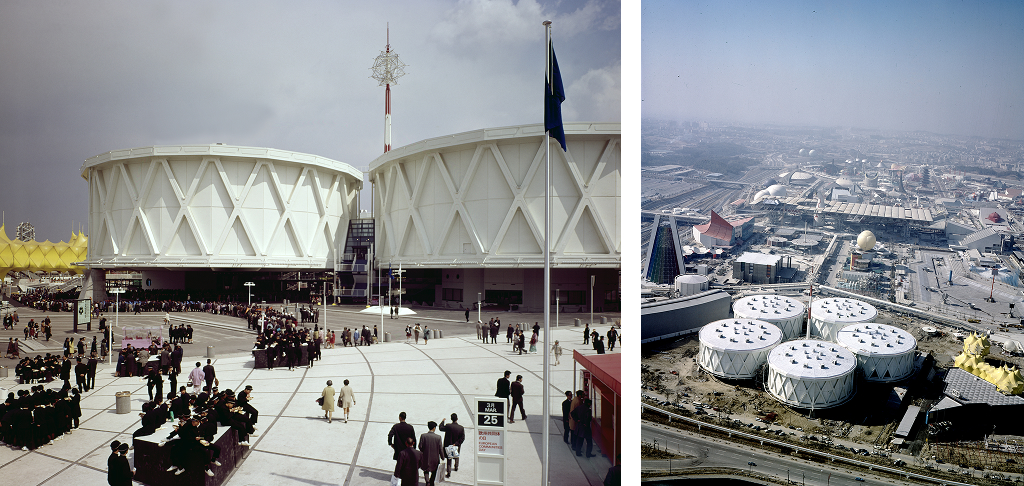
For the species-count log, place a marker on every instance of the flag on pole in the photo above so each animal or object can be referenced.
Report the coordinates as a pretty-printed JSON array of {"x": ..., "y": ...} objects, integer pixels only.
[{"x": 554, "y": 95}]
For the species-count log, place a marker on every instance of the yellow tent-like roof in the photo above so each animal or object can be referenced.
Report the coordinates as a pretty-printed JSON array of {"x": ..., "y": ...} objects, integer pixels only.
[{"x": 33, "y": 256}]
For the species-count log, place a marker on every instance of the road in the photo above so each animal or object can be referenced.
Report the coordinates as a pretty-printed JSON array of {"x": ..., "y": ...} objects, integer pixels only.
[{"x": 708, "y": 452}]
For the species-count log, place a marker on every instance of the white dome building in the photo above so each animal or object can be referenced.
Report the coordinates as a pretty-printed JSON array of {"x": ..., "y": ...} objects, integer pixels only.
[
  {"x": 829, "y": 316},
  {"x": 884, "y": 353},
  {"x": 736, "y": 348},
  {"x": 686, "y": 285},
  {"x": 811, "y": 374},
  {"x": 777, "y": 190},
  {"x": 785, "y": 312}
]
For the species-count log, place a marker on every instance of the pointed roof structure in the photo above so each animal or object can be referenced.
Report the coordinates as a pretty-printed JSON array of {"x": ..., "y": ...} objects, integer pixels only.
[{"x": 717, "y": 228}]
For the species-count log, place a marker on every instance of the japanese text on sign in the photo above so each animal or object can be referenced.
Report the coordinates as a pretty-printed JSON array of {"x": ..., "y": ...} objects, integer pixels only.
[{"x": 490, "y": 442}]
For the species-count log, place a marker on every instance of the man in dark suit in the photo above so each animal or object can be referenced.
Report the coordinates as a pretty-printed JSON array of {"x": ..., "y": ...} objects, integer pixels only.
[
  {"x": 210, "y": 374},
  {"x": 431, "y": 453},
  {"x": 503, "y": 391},
  {"x": 81, "y": 370},
  {"x": 517, "y": 393},
  {"x": 566, "y": 410},
  {"x": 408, "y": 466},
  {"x": 65, "y": 371},
  {"x": 90, "y": 381},
  {"x": 398, "y": 435},
  {"x": 454, "y": 434}
]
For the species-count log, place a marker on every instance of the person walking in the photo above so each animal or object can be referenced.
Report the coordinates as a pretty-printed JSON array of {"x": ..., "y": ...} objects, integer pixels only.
[
  {"x": 612, "y": 334},
  {"x": 522, "y": 341},
  {"x": 154, "y": 380},
  {"x": 454, "y": 436},
  {"x": 517, "y": 393},
  {"x": 509, "y": 333},
  {"x": 533, "y": 342},
  {"x": 196, "y": 377},
  {"x": 327, "y": 401},
  {"x": 495, "y": 329},
  {"x": 504, "y": 391},
  {"x": 210, "y": 375},
  {"x": 467, "y": 314},
  {"x": 347, "y": 399},
  {"x": 431, "y": 453},
  {"x": 557, "y": 351},
  {"x": 416, "y": 332},
  {"x": 408, "y": 466},
  {"x": 599, "y": 344},
  {"x": 426, "y": 334},
  {"x": 400, "y": 434},
  {"x": 586, "y": 334}
]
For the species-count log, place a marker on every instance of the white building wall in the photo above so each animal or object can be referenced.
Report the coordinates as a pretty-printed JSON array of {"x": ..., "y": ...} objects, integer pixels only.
[
  {"x": 217, "y": 206},
  {"x": 477, "y": 199}
]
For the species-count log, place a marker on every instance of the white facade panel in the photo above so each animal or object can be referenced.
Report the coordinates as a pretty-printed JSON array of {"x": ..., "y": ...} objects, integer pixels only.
[
  {"x": 785, "y": 312},
  {"x": 477, "y": 199},
  {"x": 811, "y": 374},
  {"x": 884, "y": 353},
  {"x": 736, "y": 348},
  {"x": 830, "y": 315},
  {"x": 208, "y": 206}
]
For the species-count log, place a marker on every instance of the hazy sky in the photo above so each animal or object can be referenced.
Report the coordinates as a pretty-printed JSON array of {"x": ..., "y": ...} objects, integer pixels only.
[
  {"x": 82, "y": 78},
  {"x": 947, "y": 67}
]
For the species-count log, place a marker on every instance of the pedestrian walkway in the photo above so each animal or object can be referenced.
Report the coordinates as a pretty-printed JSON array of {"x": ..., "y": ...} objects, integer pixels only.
[{"x": 297, "y": 446}]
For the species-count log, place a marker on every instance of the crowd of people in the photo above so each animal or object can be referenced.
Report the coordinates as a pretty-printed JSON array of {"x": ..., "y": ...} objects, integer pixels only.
[
  {"x": 38, "y": 416},
  {"x": 191, "y": 443},
  {"x": 431, "y": 455},
  {"x": 52, "y": 367}
]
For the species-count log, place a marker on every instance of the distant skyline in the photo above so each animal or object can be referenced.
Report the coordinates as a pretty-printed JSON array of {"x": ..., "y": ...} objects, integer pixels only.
[
  {"x": 951, "y": 68},
  {"x": 79, "y": 79}
]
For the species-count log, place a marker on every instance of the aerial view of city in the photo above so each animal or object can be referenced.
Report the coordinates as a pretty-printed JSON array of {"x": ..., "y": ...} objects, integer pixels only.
[{"x": 832, "y": 244}]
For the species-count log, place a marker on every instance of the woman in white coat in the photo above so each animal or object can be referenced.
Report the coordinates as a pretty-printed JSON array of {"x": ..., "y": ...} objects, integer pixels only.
[{"x": 346, "y": 399}]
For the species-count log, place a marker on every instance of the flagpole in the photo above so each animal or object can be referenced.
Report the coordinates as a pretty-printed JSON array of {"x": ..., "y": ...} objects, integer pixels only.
[{"x": 546, "y": 430}]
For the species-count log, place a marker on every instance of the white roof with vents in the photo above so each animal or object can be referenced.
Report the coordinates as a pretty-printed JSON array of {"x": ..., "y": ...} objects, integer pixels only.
[
  {"x": 811, "y": 359},
  {"x": 877, "y": 339},
  {"x": 841, "y": 309},
  {"x": 740, "y": 335},
  {"x": 769, "y": 307}
]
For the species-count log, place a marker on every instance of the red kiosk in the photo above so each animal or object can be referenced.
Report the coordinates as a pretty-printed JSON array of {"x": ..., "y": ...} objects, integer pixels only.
[{"x": 601, "y": 379}]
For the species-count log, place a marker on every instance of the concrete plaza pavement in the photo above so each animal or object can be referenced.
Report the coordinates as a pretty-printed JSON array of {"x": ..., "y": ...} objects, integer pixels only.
[{"x": 295, "y": 444}]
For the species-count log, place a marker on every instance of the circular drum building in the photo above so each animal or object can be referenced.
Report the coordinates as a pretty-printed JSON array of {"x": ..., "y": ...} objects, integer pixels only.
[
  {"x": 736, "y": 348},
  {"x": 464, "y": 214},
  {"x": 177, "y": 213},
  {"x": 884, "y": 353},
  {"x": 811, "y": 374},
  {"x": 830, "y": 315},
  {"x": 785, "y": 312},
  {"x": 691, "y": 284}
]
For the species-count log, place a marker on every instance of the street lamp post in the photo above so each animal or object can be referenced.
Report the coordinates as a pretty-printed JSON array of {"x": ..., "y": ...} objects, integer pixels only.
[
  {"x": 478, "y": 305},
  {"x": 117, "y": 314},
  {"x": 592, "y": 300},
  {"x": 556, "y": 307},
  {"x": 250, "y": 285}
]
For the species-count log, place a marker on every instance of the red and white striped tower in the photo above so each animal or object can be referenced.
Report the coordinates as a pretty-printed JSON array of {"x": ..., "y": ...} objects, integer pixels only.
[{"x": 387, "y": 68}]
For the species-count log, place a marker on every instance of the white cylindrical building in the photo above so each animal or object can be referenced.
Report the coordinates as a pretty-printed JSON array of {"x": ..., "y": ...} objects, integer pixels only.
[
  {"x": 785, "y": 312},
  {"x": 691, "y": 284},
  {"x": 811, "y": 374},
  {"x": 884, "y": 353},
  {"x": 736, "y": 348},
  {"x": 830, "y": 315}
]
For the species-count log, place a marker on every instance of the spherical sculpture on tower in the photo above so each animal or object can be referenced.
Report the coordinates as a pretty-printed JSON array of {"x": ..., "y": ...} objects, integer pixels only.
[{"x": 866, "y": 240}]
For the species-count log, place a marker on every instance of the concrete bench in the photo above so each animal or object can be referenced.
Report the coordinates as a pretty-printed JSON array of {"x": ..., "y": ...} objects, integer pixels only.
[{"x": 152, "y": 461}]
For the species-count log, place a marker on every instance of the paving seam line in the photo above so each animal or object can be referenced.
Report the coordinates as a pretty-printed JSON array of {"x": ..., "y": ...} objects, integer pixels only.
[
  {"x": 76, "y": 461},
  {"x": 245, "y": 455},
  {"x": 366, "y": 422}
]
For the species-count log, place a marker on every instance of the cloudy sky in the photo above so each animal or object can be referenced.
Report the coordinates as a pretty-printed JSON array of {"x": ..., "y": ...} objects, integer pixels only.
[
  {"x": 943, "y": 66},
  {"x": 81, "y": 78}
]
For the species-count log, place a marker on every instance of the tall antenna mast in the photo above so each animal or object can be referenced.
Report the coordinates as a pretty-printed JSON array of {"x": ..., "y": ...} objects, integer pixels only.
[{"x": 387, "y": 68}]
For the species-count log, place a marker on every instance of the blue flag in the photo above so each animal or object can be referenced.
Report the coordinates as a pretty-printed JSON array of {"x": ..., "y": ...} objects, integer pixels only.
[{"x": 554, "y": 95}]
